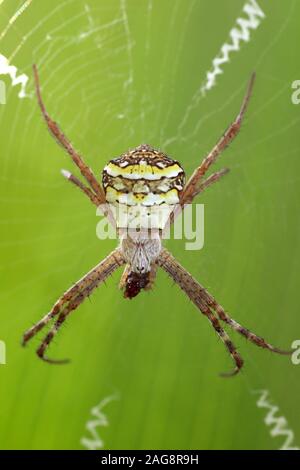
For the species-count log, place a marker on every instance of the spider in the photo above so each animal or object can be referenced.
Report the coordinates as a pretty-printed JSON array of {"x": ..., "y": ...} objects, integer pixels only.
[{"x": 143, "y": 178}]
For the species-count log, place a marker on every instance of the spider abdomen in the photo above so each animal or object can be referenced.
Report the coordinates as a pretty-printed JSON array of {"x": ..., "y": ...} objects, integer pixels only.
[{"x": 142, "y": 186}]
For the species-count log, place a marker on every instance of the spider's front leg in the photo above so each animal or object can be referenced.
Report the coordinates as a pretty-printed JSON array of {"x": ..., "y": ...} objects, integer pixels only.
[
  {"x": 195, "y": 185},
  {"x": 191, "y": 188},
  {"x": 72, "y": 298},
  {"x": 66, "y": 144},
  {"x": 87, "y": 191},
  {"x": 104, "y": 207}
]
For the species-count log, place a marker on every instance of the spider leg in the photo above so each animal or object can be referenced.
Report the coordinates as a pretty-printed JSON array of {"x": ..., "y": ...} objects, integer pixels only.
[
  {"x": 195, "y": 292},
  {"x": 95, "y": 276},
  {"x": 226, "y": 340},
  {"x": 87, "y": 191},
  {"x": 106, "y": 211},
  {"x": 61, "y": 318},
  {"x": 232, "y": 131},
  {"x": 239, "y": 328},
  {"x": 194, "y": 289},
  {"x": 198, "y": 189},
  {"x": 59, "y": 304},
  {"x": 209, "y": 181},
  {"x": 66, "y": 144}
]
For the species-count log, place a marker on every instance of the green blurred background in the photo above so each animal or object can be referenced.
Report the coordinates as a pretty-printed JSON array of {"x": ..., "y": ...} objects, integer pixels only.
[{"x": 116, "y": 74}]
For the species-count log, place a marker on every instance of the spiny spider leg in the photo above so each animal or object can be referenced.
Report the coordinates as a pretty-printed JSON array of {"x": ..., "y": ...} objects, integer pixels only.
[
  {"x": 206, "y": 302},
  {"x": 189, "y": 191},
  {"x": 62, "y": 139},
  {"x": 259, "y": 341},
  {"x": 96, "y": 275},
  {"x": 192, "y": 187},
  {"x": 195, "y": 292},
  {"x": 67, "y": 297},
  {"x": 75, "y": 302}
]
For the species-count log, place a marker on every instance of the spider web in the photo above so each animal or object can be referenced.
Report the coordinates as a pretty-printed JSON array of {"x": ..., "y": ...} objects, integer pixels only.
[{"x": 90, "y": 54}]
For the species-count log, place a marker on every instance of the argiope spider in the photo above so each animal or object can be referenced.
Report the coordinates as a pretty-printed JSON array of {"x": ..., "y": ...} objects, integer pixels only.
[{"x": 143, "y": 178}]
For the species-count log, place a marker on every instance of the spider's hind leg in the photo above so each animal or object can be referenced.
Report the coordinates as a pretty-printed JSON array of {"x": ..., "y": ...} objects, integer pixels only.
[
  {"x": 194, "y": 291},
  {"x": 57, "y": 325},
  {"x": 226, "y": 340},
  {"x": 258, "y": 340},
  {"x": 72, "y": 298}
]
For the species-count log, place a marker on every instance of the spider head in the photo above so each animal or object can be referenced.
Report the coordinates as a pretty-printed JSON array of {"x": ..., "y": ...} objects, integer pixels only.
[{"x": 144, "y": 184}]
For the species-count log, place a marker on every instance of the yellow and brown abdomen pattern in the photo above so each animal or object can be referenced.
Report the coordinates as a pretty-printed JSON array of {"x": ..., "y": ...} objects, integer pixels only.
[
  {"x": 143, "y": 179},
  {"x": 143, "y": 176}
]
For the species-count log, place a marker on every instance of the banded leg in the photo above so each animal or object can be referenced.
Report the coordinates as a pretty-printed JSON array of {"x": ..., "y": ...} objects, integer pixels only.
[
  {"x": 190, "y": 189},
  {"x": 97, "y": 274},
  {"x": 211, "y": 304},
  {"x": 195, "y": 292},
  {"x": 66, "y": 144},
  {"x": 79, "y": 298},
  {"x": 226, "y": 340},
  {"x": 258, "y": 340}
]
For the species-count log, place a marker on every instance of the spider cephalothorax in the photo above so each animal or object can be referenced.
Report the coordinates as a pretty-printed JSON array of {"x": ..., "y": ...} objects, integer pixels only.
[{"x": 140, "y": 189}]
